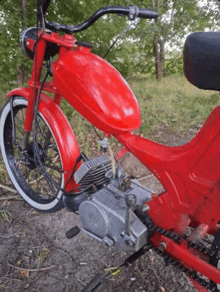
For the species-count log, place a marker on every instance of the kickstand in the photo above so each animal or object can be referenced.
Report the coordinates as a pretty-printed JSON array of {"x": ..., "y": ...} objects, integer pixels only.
[
  {"x": 100, "y": 280},
  {"x": 97, "y": 282}
]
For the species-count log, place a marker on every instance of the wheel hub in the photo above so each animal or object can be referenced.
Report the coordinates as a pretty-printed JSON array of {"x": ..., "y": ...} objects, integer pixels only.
[{"x": 27, "y": 157}]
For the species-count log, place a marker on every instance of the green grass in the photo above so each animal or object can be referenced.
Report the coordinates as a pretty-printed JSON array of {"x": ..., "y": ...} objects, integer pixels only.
[
  {"x": 172, "y": 104},
  {"x": 4, "y": 215}
]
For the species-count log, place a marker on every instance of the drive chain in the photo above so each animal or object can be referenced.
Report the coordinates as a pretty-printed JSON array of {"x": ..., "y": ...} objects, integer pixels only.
[{"x": 152, "y": 228}]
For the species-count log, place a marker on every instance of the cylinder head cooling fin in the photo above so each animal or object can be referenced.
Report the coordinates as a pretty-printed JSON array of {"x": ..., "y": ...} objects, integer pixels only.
[{"x": 93, "y": 172}]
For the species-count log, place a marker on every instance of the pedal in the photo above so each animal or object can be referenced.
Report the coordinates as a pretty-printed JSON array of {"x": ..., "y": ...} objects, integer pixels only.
[{"x": 72, "y": 232}]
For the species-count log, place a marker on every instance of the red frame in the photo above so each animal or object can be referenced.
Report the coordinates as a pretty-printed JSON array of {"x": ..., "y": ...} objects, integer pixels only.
[{"x": 190, "y": 173}]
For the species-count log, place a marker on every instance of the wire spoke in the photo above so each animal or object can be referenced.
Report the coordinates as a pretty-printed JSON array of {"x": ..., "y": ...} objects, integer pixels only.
[
  {"x": 44, "y": 176},
  {"x": 52, "y": 167},
  {"x": 41, "y": 131}
]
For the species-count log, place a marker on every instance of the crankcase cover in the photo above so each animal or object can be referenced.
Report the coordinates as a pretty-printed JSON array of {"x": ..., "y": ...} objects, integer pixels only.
[
  {"x": 104, "y": 218},
  {"x": 97, "y": 90},
  {"x": 94, "y": 219}
]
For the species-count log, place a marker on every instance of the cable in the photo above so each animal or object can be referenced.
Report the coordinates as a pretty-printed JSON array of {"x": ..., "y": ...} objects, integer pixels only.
[
  {"x": 118, "y": 37},
  {"x": 97, "y": 133},
  {"x": 13, "y": 125},
  {"x": 72, "y": 172},
  {"x": 37, "y": 159}
]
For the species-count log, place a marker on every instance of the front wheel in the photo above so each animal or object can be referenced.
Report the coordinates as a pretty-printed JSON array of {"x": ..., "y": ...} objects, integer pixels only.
[{"x": 43, "y": 192}]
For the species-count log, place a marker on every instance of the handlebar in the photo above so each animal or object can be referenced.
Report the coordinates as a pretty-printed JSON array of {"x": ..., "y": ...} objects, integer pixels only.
[
  {"x": 45, "y": 6},
  {"x": 132, "y": 12}
]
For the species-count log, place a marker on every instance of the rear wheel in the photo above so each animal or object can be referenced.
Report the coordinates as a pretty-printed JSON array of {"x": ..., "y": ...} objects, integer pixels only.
[
  {"x": 215, "y": 259},
  {"x": 38, "y": 181}
]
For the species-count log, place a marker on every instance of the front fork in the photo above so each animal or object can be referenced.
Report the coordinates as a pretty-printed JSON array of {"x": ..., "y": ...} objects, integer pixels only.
[{"x": 34, "y": 84}]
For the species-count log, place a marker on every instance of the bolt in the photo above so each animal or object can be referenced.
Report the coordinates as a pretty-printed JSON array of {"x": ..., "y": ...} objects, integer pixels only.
[
  {"x": 129, "y": 243},
  {"x": 131, "y": 201},
  {"x": 163, "y": 245},
  {"x": 145, "y": 208}
]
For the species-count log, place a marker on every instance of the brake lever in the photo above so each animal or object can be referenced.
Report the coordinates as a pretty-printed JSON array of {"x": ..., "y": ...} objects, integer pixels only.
[{"x": 133, "y": 12}]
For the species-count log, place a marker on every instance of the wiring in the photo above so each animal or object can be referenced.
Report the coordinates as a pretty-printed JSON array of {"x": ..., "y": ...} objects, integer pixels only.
[
  {"x": 119, "y": 36},
  {"x": 51, "y": 183}
]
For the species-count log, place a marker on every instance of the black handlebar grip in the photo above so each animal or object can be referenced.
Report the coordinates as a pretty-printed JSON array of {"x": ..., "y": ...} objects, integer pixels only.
[{"x": 147, "y": 13}]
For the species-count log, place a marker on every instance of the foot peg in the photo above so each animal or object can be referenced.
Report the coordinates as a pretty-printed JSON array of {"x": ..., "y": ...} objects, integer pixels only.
[{"x": 72, "y": 232}]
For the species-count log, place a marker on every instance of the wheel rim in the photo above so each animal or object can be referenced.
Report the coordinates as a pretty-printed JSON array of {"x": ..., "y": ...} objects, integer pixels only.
[
  {"x": 29, "y": 178},
  {"x": 218, "y": 266},
  {"x": 214, "y": 259}
]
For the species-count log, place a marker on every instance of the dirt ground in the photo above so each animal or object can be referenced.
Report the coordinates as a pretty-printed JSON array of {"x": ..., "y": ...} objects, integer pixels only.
[{"x": 36, "y": 256}]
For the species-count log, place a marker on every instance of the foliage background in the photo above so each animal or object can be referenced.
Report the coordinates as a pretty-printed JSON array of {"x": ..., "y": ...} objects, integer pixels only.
[{"x": 133, "y": 55}]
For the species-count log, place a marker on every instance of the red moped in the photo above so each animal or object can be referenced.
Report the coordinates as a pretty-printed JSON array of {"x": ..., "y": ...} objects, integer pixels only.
[{"x": 43, "y": 160}]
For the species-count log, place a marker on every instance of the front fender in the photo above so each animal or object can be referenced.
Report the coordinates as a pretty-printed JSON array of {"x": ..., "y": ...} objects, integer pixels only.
[{"x": 60, "y": 127}]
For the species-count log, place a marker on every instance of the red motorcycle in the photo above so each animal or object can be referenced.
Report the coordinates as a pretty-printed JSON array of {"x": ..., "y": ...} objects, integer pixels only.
[{"x": 43, "y": 160}]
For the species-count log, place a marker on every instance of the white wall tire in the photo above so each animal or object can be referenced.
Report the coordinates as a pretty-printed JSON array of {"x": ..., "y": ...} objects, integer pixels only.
[{"x": 30, "y": 183}]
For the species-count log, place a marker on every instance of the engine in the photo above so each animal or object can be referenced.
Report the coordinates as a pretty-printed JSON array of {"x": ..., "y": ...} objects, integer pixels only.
[
  {"x": 92, "y": 175},
  {"x": 108, "y": 204}
]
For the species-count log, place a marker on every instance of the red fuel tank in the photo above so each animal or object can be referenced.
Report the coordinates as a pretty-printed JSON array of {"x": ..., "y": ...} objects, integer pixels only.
[{"x": 96, "y": 90}]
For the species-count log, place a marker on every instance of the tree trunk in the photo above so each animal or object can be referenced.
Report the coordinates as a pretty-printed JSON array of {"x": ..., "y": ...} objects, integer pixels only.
[
  {"x": 24, "y": 8},
  {"x": 159, "y": 57},
  {"x": 158, "y": 50},
  {"x": 21, "y": 69}
]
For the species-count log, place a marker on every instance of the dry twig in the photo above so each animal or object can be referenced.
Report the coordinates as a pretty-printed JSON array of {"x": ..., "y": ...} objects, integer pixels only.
[
  {"x": 31, "y": 270},
  {"x": 145, "y": 177},
  {"x": 8, "y": 188},
  {"x": 2, "y": 198}
]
